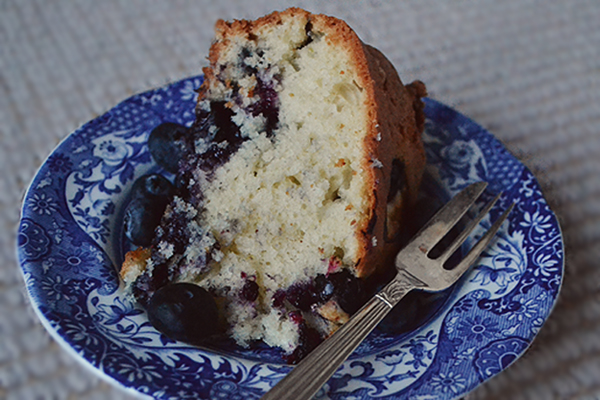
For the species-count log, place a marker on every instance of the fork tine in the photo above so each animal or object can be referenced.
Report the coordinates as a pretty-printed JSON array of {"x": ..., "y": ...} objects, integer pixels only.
[
  {"x": 481, "y": 245},
  {"x": 447, "y": 217},
  {"x": 467, "y": 230}
]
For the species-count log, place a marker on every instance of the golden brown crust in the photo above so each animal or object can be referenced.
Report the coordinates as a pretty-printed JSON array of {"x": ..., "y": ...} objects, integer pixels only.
[
  {"x": 394, "y": 133},
  {"x": 332, "y": 312},
  {"x": 134, "y": 264}
]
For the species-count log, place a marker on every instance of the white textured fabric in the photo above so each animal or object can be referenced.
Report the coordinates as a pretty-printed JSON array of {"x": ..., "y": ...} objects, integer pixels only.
[{"x": 529, "y": 71}]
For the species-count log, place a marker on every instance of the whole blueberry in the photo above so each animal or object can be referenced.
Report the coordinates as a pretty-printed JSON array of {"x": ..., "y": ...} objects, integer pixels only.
[
  {"x": 183, "y": 311},
  {"x": 152, "y": 186},
  {"x": 142, "y": 216},
  {"x": 167, "y": 144},
  {"x": 150, "y": 195}
]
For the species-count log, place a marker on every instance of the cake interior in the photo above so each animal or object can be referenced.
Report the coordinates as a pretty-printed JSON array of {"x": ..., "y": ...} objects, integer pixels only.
[{"x": 277, "y": 181}]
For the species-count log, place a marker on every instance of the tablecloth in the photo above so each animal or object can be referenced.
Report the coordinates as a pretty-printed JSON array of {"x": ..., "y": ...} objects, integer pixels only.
[{"x": 527, "y": 70}]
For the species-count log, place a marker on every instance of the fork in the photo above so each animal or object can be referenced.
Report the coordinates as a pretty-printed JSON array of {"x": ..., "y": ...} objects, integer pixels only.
[{"x": 416, "y": 270}]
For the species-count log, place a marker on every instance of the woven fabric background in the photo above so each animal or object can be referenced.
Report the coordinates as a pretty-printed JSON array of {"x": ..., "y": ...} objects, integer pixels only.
[{"x": 529, "y": 71}]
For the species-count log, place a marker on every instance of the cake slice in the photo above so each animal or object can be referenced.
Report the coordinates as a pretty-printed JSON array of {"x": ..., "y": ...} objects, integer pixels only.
[{"x": 305, "y": 153}]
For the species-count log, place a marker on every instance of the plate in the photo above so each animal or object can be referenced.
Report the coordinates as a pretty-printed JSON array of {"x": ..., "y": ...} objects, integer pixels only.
[{"x": 69, "y": 246}]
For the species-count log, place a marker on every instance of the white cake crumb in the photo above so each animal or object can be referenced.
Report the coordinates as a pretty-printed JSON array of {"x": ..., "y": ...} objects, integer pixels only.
[
  {"x": 166, "y": 249},
  {"x": 280, "y": 331}
]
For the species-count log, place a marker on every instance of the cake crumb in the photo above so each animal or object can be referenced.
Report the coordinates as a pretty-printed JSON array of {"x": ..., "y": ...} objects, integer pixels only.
[{"x": 166, "y": 249}]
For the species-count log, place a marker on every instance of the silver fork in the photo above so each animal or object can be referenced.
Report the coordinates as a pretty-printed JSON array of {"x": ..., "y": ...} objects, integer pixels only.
[{"x": 416, "y": 269}]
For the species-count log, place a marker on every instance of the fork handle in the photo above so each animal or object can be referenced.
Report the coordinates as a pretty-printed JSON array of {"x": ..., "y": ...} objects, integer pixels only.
[{"x": 305, "y": 380}]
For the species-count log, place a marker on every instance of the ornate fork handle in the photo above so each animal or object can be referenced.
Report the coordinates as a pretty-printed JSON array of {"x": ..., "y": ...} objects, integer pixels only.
[
  {"x": 308, "y": 376},
  {"x": 394, "y": 291}
]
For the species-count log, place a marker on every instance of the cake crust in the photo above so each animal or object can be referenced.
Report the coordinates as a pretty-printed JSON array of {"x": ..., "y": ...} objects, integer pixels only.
[{"x": 393, "y": 134}]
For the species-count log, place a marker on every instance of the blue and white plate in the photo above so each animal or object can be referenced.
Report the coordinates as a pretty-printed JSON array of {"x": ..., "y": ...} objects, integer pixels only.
[{"x": 69, "y": 248}]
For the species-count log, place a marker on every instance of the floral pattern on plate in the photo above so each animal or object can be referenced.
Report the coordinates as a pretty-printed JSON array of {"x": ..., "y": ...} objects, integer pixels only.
[{"x": 69, "y": 244}]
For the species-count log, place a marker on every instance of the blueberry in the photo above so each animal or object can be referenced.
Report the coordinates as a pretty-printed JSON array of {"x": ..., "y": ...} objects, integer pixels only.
[
  {"x": 323, "y": 288},
  {"x": 150, "y": 195},
  {"x": 201, "y": 126},
  {"x": 278, "y": 298},
  {"x": 227, "y": 130},
  {"x": 183, "y": 311},
  {"x": 152, "y": 186},
  {"x": 267, "y": 105},
  {"x": 216, "y": 156},
  {"x": 142, "y": 216},
  {"x": 174, "y": 230},
  {"x": 182, "y": 184},
  {"x": 302, "y": 295},
  {"x": 309, "y": 36},
  {"x": 167, "y": 144},
  {"x": 226, "y": 140},
  {"x": 249, "y": 291},
  {"x": 348, "y": 290},
  {"x": 309, "y": 339},
  {"x": 244, "y": 54}
]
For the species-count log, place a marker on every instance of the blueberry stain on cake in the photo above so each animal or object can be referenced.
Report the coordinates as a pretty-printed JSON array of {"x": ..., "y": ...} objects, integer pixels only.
[{"x": 289, "y": 184}]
